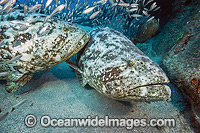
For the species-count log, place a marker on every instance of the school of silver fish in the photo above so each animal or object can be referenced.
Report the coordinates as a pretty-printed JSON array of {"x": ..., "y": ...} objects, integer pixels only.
[{"x": 98, "y": 12}]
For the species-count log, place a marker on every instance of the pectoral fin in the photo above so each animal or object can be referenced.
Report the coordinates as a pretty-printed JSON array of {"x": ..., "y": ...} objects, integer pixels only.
[
  {"x": 17, "y": 81},
  {"x": 73, "y": 65},
  {"x": 79, "y": 73},
  {"x": 81, "y": 78}
]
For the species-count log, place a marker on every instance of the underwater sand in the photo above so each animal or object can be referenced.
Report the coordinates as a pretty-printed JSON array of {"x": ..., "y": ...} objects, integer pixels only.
[{"x": 57, "y": 93}]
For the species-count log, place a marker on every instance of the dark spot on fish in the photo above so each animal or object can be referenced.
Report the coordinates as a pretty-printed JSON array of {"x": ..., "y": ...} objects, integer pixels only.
[
  {"x": 0, "y": 110},
  {"x": 37, "y": 57},
  {"x": 34, "y": 16},
  {"x": 51, "y": 30},
  {"x": 103, "y": 37},
  {"x": 23, "y": 37},
  {"x": 2, "y": 31},
  {"x": 90, "y": 42},
  {"x": 99, "y": 36},
  {"x": 126, "y": 43},
  {"x": 59, "y": 40},
  {"x": 6, "y": 56},
  {"x": 43, "y": 16},
  {"x": 20, "y": 18},
  {"x": 80, "y": 43},
  {"x": 16, "y": 67},
  {"x": 10, "y": 18},
  {"x": 33, "y": 23},
  {"x": 51, "y": 61},
  {"x": 112, "y": 72},
  {"x": 93, "y": 56},
  {"x": 111, "y": 44},
  {"x": 144, "y": 59},
  {"x": 31, "y": 105},
  {"x": 55, "y": 20},
  {"x": 110, "y": 55},
  {"x": 117, "y": 33}
]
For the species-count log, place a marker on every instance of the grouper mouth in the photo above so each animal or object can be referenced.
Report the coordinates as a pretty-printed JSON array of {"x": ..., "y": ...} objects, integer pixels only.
[
  {"x": 149, "y": 92},
  {"x": 151, "y": 85},
  {"x": 82, "y": 41},
  {"x": 85, "y": 38}
]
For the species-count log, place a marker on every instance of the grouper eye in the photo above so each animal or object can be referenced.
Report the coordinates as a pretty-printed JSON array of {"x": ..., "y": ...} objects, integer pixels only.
[
  {"x": 66, "y": 29},
  {"x": 129, "y": 63},
  {"x": 69, "y": 28}
]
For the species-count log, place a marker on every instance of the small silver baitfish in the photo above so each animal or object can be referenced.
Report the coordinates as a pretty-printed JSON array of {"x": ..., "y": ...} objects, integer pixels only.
[
  {"x": 14, "y": 59},
  {"x": 47, "y": 18},
  {"x": 115, "y": 67},
  {"x": 43, "y": 31},
  {"x": 23, "y": 28},
  {"x": 34, "y": 8},
  {"x": 1, "y": 43},
  {"x": 36, "y": 53},
  {"x": 58, "y": 9},
  {"x": 25, "y": 9},
  {"x": 18, "y": 22},
  {"x": 3, "y": 2},
  {"x": 2, "y": 117},
  {"x": 47, "y": 4},
  {"x": 2, "y": 74},
  {"x": 88, "y": 10},
  {"x": 94, "y": 14},
  {"x": 8, "y": 5}
]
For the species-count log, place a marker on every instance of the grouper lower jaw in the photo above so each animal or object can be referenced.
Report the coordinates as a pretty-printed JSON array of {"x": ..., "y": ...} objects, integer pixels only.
[{"x": 145, "y": 93}]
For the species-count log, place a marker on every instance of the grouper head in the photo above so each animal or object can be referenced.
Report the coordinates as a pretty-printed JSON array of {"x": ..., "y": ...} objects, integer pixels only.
[
  {"x": 138, "y": 78},
  {"x": 77, "y": 36},
  {"x": 120, "y": 70}
]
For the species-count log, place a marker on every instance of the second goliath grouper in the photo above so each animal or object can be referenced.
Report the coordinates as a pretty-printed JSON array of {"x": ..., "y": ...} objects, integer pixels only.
[
  {"x": 29, "y": 46},
  {"x": 115, "y": 67}
]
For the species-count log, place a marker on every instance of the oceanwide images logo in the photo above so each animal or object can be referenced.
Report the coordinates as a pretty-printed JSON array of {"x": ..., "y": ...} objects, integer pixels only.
[{"x": 129, "y": 123}]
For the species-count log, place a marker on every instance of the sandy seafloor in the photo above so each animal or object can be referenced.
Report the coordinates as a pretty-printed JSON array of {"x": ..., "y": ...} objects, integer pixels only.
[{"x": 57, "y": 93}]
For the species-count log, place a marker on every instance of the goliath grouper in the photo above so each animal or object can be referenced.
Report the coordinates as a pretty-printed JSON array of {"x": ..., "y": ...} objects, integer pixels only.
[
  {"x": 115, "y": 67},
  {"x": 29, "y": 46}
]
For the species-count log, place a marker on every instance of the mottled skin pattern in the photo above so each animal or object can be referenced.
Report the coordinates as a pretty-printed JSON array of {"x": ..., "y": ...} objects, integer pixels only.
[
  {"x": 115, "y": 67},
  {"x": 38, "y": 53}
]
